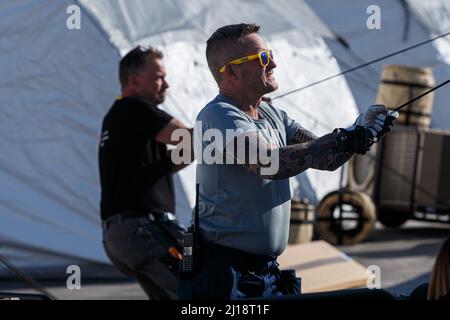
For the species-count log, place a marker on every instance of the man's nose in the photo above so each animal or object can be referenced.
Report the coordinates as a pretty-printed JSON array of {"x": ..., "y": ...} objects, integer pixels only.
[
  {"x": 165, "y": 84},
  {"x": 272, "y": 64}
]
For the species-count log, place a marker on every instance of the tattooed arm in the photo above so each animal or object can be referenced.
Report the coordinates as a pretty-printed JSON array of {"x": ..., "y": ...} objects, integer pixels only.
[
  {"x": 318, "y": 153},
  {"x": 302, "y": 135}
]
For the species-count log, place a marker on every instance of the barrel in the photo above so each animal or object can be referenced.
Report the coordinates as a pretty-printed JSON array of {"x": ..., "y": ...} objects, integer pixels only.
[
  {"x": 302, "y": 221},
  {"x": 400, "y": 84}
]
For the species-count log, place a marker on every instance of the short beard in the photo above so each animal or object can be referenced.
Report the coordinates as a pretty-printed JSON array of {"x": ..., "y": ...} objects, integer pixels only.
[{"x": 268, "y": 88}]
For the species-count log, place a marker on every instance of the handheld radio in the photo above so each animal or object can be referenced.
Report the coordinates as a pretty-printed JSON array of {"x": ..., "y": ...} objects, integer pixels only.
[{"x": 191, "y": 242}]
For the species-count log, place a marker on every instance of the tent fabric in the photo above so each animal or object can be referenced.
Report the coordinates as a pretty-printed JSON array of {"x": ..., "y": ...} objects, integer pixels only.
[
  {"x": 426, "y": 19},
  {"x": 435, "y": 16},
  {"x": 57, "y": 84},
  {"x": 157, "y": 23},
  {"x": 55, "y": 87}
]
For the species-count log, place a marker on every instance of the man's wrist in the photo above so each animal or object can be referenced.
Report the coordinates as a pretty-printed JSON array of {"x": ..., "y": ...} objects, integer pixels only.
[
  {"x": 352, "y": 140},
  {"x": 341, "y": 136}
]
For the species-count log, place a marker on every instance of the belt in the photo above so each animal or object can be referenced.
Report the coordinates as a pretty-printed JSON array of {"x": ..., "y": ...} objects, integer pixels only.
[
  {"x": 119, "y": 217},
  {"x": 213, "y": 254}
]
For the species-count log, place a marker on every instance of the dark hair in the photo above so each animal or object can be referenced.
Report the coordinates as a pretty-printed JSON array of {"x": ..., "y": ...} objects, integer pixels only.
[
  {"x": 224, "y": 38},
  {"x": 134, "y": 61}
]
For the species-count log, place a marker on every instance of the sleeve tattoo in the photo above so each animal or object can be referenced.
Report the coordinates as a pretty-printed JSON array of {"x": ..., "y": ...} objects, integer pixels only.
[
  {"x": 302, "y": 135},
  {"x": 305, "y": 151}
]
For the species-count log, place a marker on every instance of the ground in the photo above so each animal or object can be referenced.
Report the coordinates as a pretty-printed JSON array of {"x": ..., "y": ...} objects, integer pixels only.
[{"x": 405, "y": 257}]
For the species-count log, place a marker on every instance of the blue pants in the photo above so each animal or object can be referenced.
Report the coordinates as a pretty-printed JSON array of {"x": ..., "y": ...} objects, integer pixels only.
[{"x": 227, "y": 274}]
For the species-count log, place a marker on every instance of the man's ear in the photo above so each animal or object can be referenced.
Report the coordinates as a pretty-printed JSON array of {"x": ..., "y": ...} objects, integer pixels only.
[
  {"x": 230, "y": 72},
  {"x": 133, "y": 80}
]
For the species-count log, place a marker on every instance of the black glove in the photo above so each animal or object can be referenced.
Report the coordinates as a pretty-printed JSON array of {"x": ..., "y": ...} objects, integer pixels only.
[{"x": 353, "y": 140}]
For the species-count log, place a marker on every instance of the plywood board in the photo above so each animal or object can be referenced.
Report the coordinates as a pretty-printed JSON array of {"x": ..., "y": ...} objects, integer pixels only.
[{"x": 323, "y": 267}]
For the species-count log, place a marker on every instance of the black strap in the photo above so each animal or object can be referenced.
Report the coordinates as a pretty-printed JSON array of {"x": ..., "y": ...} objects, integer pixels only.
[
  {"x": 407, "y": 84},
  {"x": 408, "y": 111}
]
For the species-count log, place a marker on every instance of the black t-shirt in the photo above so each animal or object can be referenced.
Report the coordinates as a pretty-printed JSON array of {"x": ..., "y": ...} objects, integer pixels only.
[{"x": 134, "y": 167}]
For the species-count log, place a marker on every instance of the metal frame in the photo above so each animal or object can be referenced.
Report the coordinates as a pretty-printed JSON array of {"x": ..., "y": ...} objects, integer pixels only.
[{"x": 414, "y": 208}]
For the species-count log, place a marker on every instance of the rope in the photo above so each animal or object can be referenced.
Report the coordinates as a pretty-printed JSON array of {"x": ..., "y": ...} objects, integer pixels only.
[{"x": 363, "y": 65}]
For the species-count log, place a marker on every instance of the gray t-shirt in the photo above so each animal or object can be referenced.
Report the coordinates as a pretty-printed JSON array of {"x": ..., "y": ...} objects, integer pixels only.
[{"x": 237, "y": 208}]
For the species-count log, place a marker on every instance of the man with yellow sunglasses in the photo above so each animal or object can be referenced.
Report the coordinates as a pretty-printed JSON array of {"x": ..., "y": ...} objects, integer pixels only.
[
  {"x": 244, "y": 208},
  {"x": 263, "y": 56}
]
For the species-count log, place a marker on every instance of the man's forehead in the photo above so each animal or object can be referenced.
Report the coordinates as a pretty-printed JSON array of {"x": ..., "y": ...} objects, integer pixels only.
[
  {"x": 253, "y": 42},
  {"x": 156, "y": 65}
]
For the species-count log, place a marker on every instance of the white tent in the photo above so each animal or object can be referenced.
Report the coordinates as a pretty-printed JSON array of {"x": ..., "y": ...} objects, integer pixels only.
[
  {"x": 401, "y": 26},
  {"x": 57, "y": 84}
]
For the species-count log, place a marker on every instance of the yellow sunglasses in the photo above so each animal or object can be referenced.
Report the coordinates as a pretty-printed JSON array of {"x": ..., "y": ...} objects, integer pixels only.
[{"x": 264, "y": 59}]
